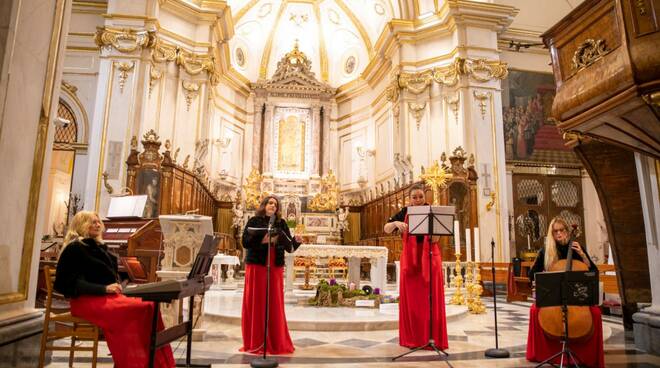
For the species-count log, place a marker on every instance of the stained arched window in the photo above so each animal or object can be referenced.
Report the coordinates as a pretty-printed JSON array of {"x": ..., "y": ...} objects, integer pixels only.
[{"x": 65, "y": 134}]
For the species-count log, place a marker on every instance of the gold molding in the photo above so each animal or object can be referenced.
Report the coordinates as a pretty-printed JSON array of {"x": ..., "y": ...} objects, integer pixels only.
[
  {"x": 124, "y": 40},
  {"x": 323, "y": 53},
  {"x": 244, "y": 10},
  {"x": 588, "y": 52},
  {"x": 190, "y": 92},
  {"x": 90, "y": 4},
  {"x": 482, "y": 97},
  {"x": 104, "y": 133},
  {"x": 83, "y": 48},
  {"x": 124, "y": 69},
  {"x": 38, "y": 159},
  {"x": 358, "y": 25},
  {"x": 231, "y": 104},
  {"x": 155, "y": 74},
  {"x": 416, "y": 110},
  {"x": 265, "y": 57},
  {"x": 128, "y": 40},
  {"x": 453, "y": 104}
]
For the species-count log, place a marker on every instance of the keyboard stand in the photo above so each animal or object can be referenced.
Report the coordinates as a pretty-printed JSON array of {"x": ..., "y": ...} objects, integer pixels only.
[{"x": 158, "y": 339}]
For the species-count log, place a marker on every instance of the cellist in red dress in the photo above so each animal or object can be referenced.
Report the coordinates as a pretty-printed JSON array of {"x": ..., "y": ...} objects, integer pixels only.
[
  {"x": 254, "y": 295},
  {"x": 414, "y": 285},
  {"x": 539, "y": 345},
  {"x": 87, "y": 273}
]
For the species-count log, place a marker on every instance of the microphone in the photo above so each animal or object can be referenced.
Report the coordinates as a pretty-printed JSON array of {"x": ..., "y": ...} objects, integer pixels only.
[{"x": 272, "y": 220}]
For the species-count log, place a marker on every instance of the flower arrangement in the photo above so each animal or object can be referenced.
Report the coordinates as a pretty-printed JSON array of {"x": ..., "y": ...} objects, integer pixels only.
[{"x": 332, "y": 294}]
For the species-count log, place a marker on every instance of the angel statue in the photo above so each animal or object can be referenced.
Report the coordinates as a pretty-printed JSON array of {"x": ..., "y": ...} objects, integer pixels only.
[
  {"x": 342, "y": 219},
  {"x": 237, "y": 220}
]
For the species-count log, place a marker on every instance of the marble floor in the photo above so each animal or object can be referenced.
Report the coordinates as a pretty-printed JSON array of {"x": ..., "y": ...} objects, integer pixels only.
[{"x": 469, "y": 336}]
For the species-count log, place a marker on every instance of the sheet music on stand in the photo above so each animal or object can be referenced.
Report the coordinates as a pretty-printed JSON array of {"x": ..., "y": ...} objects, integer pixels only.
[
  {"x": 127, "y": 206},
  {"x": 420, "y": 216}
]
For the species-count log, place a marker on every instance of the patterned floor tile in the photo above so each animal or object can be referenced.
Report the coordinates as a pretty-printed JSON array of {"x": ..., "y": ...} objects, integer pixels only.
[{"x": 358, "y": 343}]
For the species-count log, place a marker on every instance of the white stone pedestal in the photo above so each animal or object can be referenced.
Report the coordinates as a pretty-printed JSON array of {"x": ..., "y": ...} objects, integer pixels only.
[{"x": 179, "y": 308}]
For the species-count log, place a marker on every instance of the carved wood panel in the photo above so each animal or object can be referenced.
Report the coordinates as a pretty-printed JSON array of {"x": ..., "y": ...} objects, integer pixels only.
[{"x": 537, "y": 199}]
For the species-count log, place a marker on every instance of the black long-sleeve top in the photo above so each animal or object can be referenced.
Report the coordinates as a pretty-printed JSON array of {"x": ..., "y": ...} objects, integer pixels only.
[
  {"x": 85, "y": 267},
  {"x": 401, "y": 216},
  {"x": 257, "y": 252},
  {"x": 562, "y": 253}
]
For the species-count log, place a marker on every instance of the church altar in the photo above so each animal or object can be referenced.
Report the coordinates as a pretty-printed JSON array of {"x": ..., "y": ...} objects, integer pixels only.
[{"x": 377, "y": 257}]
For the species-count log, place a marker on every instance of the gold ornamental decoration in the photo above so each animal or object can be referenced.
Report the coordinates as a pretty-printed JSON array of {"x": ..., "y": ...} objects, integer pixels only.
[
  {"x": 124, "y": 40},
  {"x": 588, "y": 52},
  {"x": 326, "y": 199},
  {"x": 479, "y": 70},
  {"x": 436, "y": 177},
  {"x": 127, "y": 40},
  {"x": 253, "y": 189}
]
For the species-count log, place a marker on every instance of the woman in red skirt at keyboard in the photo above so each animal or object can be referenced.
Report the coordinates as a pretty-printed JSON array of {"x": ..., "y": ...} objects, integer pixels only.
[
  {"x": 87, "y": 273},
  {"x": 254, "y": 295},
  {"x": 415, "y": 280}
]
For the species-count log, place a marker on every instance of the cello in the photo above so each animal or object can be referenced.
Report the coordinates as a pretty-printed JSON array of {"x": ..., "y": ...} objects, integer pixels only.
[{"x": 580, "y": 323}]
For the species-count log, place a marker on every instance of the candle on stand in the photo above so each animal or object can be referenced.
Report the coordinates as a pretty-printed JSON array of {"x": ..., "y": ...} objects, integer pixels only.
[
  {"x": 468, "y": 249},
  {"x": 457, "y": 237},
  {"x": 477, "y": 247}
]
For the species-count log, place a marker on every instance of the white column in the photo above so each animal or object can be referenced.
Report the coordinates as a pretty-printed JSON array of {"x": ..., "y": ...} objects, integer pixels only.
[
  {"x": 316, "y": 139},
  {"x": 268, "y": 139},
  {"x": 647, "y": 176}
]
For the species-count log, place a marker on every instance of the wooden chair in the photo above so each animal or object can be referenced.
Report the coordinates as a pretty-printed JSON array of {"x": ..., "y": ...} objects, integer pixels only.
[
  {"x": 66, "y": 325},
  {"x": 134, "y": 269}
]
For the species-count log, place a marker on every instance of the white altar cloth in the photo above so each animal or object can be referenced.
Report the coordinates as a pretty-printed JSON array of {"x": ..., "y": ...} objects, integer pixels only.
[{"x": 354, "y": 253}]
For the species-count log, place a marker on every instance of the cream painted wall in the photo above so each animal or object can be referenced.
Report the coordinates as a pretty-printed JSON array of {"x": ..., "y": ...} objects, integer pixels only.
[
  {"x": 539, "y": 15},
  {"x": 32, "y": 46}
]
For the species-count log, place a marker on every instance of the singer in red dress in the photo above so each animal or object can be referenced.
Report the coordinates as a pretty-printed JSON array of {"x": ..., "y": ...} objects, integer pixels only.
[
  {"x": 254, "y": 295},
  {"x": 87, "y": 273},
  {"x": 414, "y": 286}
]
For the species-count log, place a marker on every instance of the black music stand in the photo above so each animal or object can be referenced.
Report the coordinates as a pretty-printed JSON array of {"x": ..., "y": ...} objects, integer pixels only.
[
  {"x": 430, "y": 220},
  {"x": 495, "y": 352},
  {"x": 578, "y": 288}
]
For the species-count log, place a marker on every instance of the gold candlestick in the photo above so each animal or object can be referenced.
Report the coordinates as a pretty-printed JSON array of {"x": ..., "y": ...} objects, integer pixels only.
[
  {"x": 468, "y": 285},
  {"x": 458, "y": 298},
  {"x": 477, "y": 306}
]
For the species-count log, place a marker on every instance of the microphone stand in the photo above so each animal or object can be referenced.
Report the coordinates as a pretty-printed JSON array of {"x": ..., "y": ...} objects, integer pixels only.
[
  {"x": 497, "y": 352},
  {"x": 263, "y": 361}
]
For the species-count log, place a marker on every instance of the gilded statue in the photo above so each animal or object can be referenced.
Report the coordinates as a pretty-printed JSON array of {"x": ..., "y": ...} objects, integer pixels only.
[
  {"x": 326, "y": 199},
  {"x": 253, "y": 189}
]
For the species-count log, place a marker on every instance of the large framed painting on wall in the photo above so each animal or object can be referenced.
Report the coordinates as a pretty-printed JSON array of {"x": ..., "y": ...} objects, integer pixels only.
[
  {"x": 148, "y": 182},
  {"x": 530, "y": 135}
]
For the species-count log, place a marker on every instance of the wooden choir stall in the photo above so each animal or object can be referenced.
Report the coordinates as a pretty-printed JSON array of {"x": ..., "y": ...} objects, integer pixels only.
[{"x": 171, "y": 188}]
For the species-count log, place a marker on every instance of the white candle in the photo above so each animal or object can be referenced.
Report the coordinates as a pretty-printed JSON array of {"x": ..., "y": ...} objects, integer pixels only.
[
  {"x": 467, "y": 245},
  {"x": 477, "y": 246},
  {"x": 457, "y": 237}
]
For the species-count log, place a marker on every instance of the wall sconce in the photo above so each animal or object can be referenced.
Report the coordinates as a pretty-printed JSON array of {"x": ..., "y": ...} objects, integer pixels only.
[
  {"x": 223, "y": 142},
  {"x": 363, "y": 152}
]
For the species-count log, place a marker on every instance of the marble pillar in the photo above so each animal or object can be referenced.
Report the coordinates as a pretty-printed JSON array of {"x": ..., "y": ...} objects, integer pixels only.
[{"x": 646, "y": 322}]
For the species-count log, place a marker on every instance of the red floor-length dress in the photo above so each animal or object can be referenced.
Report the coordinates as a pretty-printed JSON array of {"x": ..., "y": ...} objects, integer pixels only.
[
  {"x": 589, "y": 352},
  {"x": 254, "y": 302},
  {"x": 414, "y": 294},
  {"x": 126, "y": 324}
]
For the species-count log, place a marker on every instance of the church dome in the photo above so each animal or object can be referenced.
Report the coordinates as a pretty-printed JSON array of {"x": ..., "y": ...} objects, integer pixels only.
[{"x": 337, "y": 38}]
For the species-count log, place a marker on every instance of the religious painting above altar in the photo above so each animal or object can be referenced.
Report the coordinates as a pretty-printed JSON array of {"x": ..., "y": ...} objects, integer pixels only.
[{"x": 292, "y": 135}]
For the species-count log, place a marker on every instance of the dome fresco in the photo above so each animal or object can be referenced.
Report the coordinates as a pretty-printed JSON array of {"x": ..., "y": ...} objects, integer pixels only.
[{"x": 338, "y": 36}]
